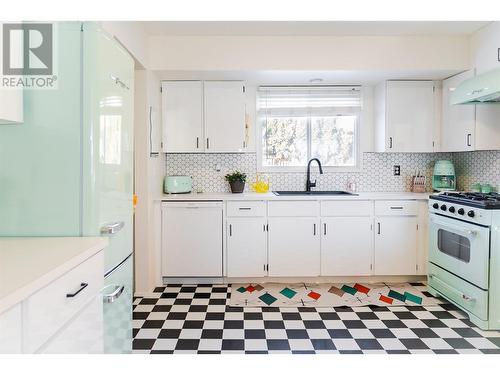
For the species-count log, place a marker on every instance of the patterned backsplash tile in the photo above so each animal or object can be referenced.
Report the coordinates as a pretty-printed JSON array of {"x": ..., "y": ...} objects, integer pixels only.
[
  {"x": 477, "y": 167},
  {"x": 376, "y": 173}
]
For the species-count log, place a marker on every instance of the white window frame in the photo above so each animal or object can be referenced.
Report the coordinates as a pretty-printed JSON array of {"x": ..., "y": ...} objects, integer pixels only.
[{"x": 290, "y": 169}]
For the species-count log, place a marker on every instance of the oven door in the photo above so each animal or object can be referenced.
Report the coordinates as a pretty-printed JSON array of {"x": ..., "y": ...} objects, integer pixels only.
[{"x": 460, "y": 248}]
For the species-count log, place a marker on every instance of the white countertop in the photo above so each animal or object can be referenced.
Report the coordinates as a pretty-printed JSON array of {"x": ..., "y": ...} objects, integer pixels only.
[
  {"x": 272, "y": 196},
  {"x": 29, "y": 263}
]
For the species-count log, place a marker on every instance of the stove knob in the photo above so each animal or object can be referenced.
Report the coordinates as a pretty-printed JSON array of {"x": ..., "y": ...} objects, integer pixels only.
[
  {"x": 435, "y": 205},
  {"x": 470, "y": 214},
  {"x": 451, "y": 209},
  {"x": 443, "y": 207},
  {"x": 461, "y": 211}
]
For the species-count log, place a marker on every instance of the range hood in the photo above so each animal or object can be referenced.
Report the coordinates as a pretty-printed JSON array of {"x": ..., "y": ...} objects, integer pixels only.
[{"x": 484, "y": 88}]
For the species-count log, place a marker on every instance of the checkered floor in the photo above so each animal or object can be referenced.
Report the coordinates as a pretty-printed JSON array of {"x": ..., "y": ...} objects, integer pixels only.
[{"x": 197, "y": 319}]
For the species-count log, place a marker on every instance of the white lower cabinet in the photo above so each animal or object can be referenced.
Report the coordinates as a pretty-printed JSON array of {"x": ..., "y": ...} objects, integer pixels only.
[
  {"x": 395, "y": 245},
  {"x": 294, "y": 246},
  {"x": 246, "y": 247},
  {"x": 346, "y": 246},
  {"x": 11, "y": 330},
  {"x": 83, "y": 334}
]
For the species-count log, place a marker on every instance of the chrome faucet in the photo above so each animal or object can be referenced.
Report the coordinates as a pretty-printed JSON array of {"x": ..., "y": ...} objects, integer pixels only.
[{"x": 309, "y": 183}]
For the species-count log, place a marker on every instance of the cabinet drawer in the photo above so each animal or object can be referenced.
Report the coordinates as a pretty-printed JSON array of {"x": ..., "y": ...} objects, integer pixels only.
[
  {"x": 50, "y": 308},
  {"x": 248, "y": 208},
  {"x": 293, "y": 208},
  {"x": 401, "y": 208},
  {"x": 467, "y": 296},
  {"x": 346, "y": 208}
]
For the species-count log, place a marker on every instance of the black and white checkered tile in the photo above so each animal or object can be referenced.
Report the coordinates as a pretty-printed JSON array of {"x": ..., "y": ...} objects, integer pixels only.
[{"x": 197, "y": 319}]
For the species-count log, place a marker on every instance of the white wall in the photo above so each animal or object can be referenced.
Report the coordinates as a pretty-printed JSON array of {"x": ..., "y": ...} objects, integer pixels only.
[
  {"x": 149, "y": 173},
  {"x": 132, "y": 36},
  {"x": 308, "y": 52}
]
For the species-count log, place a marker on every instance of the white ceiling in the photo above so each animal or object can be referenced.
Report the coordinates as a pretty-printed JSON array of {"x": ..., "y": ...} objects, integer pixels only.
[{"x": 326, "y": 28}]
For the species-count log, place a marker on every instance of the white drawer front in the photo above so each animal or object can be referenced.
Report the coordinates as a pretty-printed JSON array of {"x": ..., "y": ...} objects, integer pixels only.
[
  {"x": 10, "y": 330},
  {"x": 293, "y": 208},
  {"x": 50, "y": 308},
  {"x": 246, "y": 208},
  {"x": 346, "y": 208},
  {"x": 401, "y": 208}
]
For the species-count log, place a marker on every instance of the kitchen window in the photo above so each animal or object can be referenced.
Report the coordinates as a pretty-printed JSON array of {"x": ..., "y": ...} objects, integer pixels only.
[{"x": 304, "y": 122}]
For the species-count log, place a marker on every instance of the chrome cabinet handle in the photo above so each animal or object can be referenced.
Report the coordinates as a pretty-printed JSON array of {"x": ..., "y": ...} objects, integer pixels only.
[
  {"x": 208, "y": 143},
  {"x": 112, "y": 228},
  {"x": 468, "y": 298},
  {"x": 378, "y": 224},
  {"x": 390, "y": 142},
  {"x": 324, "y": 228},
  {"x": 244, "y": 208},
  {"x": 230, "y": 230},
  {"x": 469, "y": 140},
  {"x": 82, "y": 287},
  {"x": 314, "y": 229},
  {"x": 197, "y": 142},
  {"x": 112, "y": 297},
  {"x": 396, "y": 208}
]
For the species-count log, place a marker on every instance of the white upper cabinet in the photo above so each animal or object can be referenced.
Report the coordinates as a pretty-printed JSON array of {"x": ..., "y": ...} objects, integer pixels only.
[
  {"x": 203, "y": 116},
  {"x": 485, "y": 46},
  {"x": 406, "y": 117},
  {"x": 182, "y": 109},
  {"x": 224, "y": 109},
  {"x": 468, "y": 127},
  {"x": 458, "y": 121},
  {"x": 11, "y": 106}
]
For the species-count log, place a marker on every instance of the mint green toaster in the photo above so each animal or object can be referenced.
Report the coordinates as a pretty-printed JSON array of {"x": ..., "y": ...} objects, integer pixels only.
[{"x": 177, "y": 184}]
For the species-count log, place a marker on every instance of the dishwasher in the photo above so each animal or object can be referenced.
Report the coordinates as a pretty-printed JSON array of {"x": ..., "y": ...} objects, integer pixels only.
[{"x": 192, "y": 239}]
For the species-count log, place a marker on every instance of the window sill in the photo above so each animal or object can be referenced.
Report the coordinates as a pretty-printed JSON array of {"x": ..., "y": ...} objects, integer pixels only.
[{"x": 354, "y": 169}]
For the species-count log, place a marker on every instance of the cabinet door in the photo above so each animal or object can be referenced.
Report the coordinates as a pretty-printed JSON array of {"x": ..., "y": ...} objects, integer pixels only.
[
  {"x": 458, "y": 121},
  {"x": 224, "y": 111},
  {"x": 294, "y": 246},
  {"x": 192, "y": 239},
  {"x": 83, "y": 335},
  {"x": 246, "y": 247},
  {"x": 182, "y": 106},
  {"x": 487, "y": 135},
  {"x": 346, "y": 246},
  {"x": 410, "y": 117},
  {"x": 11, "y": 330},
  {"x": 395, "y": 245}
]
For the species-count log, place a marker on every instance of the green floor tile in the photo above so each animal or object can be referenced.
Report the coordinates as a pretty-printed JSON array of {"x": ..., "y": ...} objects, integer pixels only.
[
  {"x": 349, "y": 289},
  {"x": 241, "y": 289},
  {"x": 267, "y": 299}
]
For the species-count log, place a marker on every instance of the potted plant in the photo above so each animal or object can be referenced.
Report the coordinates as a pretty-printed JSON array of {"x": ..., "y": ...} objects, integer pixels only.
[{"x": 236, "y": 181}]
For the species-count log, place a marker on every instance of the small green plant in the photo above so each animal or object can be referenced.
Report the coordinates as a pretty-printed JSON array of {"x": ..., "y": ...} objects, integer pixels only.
[{"x": 236, "y": 176}]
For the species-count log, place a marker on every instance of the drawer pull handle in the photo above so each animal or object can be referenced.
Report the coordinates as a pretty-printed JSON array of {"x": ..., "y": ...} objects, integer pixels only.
[
  {"x": 396, "y": 208},
  {"x": 468, "y": 298},
  {"x": 112, "y": 297},
  {"x": 82, "y": 287},
  {"x": 112, "y": 228},
  {"x": 245, "y": 208}
]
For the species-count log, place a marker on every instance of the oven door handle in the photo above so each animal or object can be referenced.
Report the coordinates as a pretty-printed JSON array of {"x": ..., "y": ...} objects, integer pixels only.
[{"x": 455, "y": 229}]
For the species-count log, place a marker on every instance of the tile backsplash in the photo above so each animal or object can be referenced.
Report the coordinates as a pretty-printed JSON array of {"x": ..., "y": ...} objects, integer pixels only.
[
  {"x": 477, "y": 167},
  {"x": 376, "y": 173}
]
